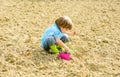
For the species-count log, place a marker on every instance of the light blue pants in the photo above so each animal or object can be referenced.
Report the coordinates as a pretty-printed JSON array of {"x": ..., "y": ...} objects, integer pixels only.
[{"x": 51, "y": 40}]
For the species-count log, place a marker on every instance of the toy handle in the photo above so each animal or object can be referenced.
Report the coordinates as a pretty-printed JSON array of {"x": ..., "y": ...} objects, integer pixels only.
[{"x": 72, "y": 52}]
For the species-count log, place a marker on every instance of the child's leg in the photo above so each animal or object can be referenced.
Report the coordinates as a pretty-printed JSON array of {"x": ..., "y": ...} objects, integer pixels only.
[
  {"x": 65, "y": 38},
  {"x": 50, "y": 43}
]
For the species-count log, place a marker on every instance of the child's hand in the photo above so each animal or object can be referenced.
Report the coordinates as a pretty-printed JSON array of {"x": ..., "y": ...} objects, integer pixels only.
[
  {"x": 67, "y": 49},
  {"x": 74, "y": 33}
]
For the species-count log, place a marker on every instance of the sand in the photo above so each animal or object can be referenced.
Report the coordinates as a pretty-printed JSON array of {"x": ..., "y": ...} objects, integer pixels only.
[{"x": 97, "y": 43}]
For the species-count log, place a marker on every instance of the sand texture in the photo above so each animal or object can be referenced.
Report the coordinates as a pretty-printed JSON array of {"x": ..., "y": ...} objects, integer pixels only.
[{"x": 97, "y": 43}]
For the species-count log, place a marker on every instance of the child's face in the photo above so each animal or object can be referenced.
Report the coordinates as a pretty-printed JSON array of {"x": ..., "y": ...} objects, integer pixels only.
[{"x": 63, "y": 29}]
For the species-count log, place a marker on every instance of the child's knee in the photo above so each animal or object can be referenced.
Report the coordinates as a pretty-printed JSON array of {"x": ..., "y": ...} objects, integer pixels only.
[{"x": 65, "y": 38}]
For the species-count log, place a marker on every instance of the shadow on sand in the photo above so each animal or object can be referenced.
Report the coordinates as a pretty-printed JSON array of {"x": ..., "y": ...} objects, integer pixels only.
[{"x": 42, "y": 56}]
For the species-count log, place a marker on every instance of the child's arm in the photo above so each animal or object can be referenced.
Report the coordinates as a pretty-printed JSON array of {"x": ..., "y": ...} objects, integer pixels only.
[
  {"x": 59, "y": 42},
  {"x": 70, "y": 33}
]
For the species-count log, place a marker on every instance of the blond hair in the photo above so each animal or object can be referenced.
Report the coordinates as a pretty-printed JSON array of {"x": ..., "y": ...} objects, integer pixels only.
[{"x": 64, "y": 22}]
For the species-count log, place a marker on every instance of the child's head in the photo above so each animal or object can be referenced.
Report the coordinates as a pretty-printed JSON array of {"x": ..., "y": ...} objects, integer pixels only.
[{"x": 64, "y": 22}]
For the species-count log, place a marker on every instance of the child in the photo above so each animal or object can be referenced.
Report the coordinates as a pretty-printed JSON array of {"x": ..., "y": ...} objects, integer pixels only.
[{"x": 56, "y": 36}]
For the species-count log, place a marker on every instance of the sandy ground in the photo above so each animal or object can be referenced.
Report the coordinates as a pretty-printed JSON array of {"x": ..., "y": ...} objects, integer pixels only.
[{"x": 97, "y": 43}]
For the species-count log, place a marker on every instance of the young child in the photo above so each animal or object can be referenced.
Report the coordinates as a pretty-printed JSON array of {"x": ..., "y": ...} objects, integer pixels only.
[{"x": 56, "y": 36}]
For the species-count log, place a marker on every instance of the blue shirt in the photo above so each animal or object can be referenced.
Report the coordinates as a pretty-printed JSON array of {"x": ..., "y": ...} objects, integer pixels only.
[{"x": 52, "y": 31}]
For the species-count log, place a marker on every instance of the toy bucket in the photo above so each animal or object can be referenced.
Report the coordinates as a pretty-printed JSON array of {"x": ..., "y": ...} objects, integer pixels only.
[{"x": 65, "y": 56}]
